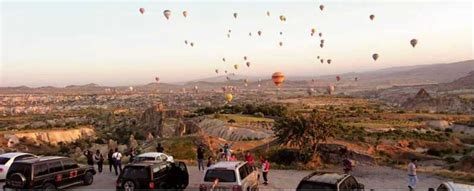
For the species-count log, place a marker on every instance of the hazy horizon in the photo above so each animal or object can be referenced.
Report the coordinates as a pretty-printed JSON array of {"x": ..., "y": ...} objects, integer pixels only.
[{"x": 52, "y": 43}]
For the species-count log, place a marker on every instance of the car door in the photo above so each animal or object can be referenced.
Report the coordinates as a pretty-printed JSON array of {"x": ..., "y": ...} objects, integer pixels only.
[
  {"x": 57, "y": 173},
  {"x": 183, "y": 175},
  {"x": 73, "y": 172}
]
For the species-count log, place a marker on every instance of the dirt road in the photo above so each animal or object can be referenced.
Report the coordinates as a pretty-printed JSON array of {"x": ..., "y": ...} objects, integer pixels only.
[{"x": 374, "y": 177}]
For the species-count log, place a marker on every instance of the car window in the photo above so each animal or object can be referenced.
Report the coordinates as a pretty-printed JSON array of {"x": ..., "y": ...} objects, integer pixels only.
[
  {"x": 135, "y": 172},
  {"x": 222, "y": 174},
  {"x": 41, "y": 169},
  {"x": 4, "y": 160},
  {"x": 21, "y": 168},
  {"x": 442, "y": 187},
  {"x": 55, "y": 166},
  {"x": 309, "y": 186},
  {"x": 182, "y": 166},
  {"x": 348, "y": 184},
  {"x": 145, "y": 159},
  {"x": 243, "y": 172},
  {"x": 69, "y": 164},
  {"x": 159, "y": 170}
]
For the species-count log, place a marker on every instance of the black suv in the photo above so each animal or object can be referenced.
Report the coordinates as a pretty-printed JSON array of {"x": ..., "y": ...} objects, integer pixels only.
[
  {"x": 48, "y": 173},
  {"x": 329, "y": 181},
  {"x": 149, "y": 175}
]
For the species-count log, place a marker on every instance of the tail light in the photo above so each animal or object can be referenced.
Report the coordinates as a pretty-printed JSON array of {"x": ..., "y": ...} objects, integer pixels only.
[
  {"x": 202, "y": 187},
  {"x": 1, "y": 169},
  {"x": 151, "y": 185},
  {"x": 236, "y": 188}
]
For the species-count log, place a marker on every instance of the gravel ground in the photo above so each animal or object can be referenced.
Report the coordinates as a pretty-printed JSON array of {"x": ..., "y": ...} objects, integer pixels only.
[{"x": 373, "y": 177}]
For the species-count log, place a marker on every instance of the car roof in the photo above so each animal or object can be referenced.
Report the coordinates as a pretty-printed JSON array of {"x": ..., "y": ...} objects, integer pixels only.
[
  {"x": 326, "y": 177},
  {"x": 14, "y": 154},
  {"x": 40, "y": 159},
  {"x": 151, "y": 154},
  {"x": 227, "y": 164}
]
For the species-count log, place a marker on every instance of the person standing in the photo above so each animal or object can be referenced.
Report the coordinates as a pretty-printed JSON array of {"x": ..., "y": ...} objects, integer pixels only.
[
  {"x": 111, "y": 160},
  {"x": 233, "y": 157},
  {"x": 265, "y": 170},
  {"x": 210, "y": 161},
  {"x": 200, "y": 157},
  {"x": 89, "y": 157},
  {"x": 249, "y": 158},
  {"x": 412, "y": 178},
  {"x": 160, "y": 148},
  {"x": 117, "y": 156},
  {"x": 99, "y": 159},
  {"x": 133, "y": 154}
]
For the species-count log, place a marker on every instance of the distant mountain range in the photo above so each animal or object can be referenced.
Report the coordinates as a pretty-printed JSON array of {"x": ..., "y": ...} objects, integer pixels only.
[{"x": 395, "y": 76}]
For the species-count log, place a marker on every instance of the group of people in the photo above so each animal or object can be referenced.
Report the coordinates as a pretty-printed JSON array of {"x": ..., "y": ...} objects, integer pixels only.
[
  {"x": 114, "y": 158},
  {"x": 226, "y": 155}
]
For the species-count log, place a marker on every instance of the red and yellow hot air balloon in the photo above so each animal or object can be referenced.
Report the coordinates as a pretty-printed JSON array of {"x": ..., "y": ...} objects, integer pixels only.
[
  {"x": 278, "y": 78},
  {"x": 229, "y": 97}
]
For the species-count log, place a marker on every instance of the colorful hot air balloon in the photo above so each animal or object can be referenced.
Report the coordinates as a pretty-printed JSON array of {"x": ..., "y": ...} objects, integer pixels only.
[
  {"x": 280, "y": 43},
  {"x": 248, "y": 64},
  {"x": 329, "y": 61},
  {"x": 185, "y": 42},
  {"x": 235, "y": 15},
  {"x": 268, "y": 13},
  {"x": 229, "y": 97},
  {"x": 375, "y": 56},
  {"x": 321, "y": 45},
  {"x": 330, "y": 89},
  {"x": 223, "y": 59},
  {"x": 259, "y": 33},
  {"x": 142, "y": 10},
  {"x": 413, "y": 42},
  {"x": 321, "y": 7},
  {"x": 320, "y": 34},
  {"x": 217, "y": 71},
  {"x": 338, "y": 78},
  {"x": 278, "y": 78},
  {"x": 372, "y": 17},
  {"x": 282, "y": 18},
  {"x": 167, "y": 14},
  {"x": 322, "y": 41},
  {"x": 192, "y": 44},
  {"x": 313, "y": 30},
  {"x": 322, "y": 61},
  {"x": 236, "y": 66},
  {"x": 185, "y": 14}
]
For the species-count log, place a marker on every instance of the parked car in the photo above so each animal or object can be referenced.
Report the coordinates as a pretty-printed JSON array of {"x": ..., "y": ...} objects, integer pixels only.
[
  {"x": 329, "y": 181},
  {"x": 231, "y": 175},
  {"x": 146, "y": 175},
  {"x": 153, "y": 156},
  {"x": 48, "y": 173},
  {"x": 7, "y": 159},
  {"x": 452, "y": 186}
]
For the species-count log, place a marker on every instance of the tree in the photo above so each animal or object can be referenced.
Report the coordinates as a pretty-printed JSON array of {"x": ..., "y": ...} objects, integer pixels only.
[{"x": 305, "y": 131}]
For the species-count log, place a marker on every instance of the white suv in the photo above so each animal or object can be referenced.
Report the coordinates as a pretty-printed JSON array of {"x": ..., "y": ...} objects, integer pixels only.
[{"x": 231, "y": 175}]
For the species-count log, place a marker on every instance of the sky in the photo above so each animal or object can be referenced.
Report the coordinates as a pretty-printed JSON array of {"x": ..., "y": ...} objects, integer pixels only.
[{"x": 109, "y": 42}]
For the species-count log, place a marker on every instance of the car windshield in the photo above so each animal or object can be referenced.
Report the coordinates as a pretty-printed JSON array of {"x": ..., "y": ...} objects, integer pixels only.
[
  {"x": 135, "y": 172},
  {"x": 145, "y": 159},
  {"x": 316, "y": 186},
  {"x": 24, "y": 169},
  {"x": 222, "y": 175},
  {"x": 4, "y": 160}
]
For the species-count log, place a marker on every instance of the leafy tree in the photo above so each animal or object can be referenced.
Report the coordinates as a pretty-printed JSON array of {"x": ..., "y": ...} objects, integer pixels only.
[{"x": 305, "y": 131}]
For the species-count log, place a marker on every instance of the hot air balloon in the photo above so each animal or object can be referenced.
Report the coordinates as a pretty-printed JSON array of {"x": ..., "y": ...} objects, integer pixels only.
[
  {"x": 229, "y": 30},
  {"x": 229, "y": 97},
  {"x": 338, "y": 78},
  {"x": 282, "y": 18},
  {"x": 259, "y": 33},
  {"x": 157, "y": 79},
  {"x": 245, "y": 57},
  {"x": 217, "y": 71},
  {"x": 227, "y": 78},
  {"x": 223, "y": 59},
  {"x": 320, "y": 34},
  {"x": 185, "y": 42},
  {"x": 322, "y": 41},
  {"x": 236, "y": 66},
  {"x": 167, "y": 14},
  {"x": 321, "y": 45},
  {"x": 313, "y": 30},
  {"x": 142, "y": 10},
  {"x": 330, "y": 89},
  {"x": 413, "y": 42},
  {"x": 281, "y": 33},
  {"x": 235, "y": 15},
  {"x": 268, "y": 13},
  {"x": 248, "y": 64},
  {"x": 322, "y": 61},
  {"x": 375, "y": 56},
  {"x": 372, "y": 17},
  {"x": 225, "y": 71},
  {"x": 250, "y": 34},
  {"x": 192, "y": 43},
  {"x": 280, "y": 43},
  {"x": 329, "y": 61},
  {"x": 321, "y": 7},
  {"x": 278, "y": 78},
  {"x": 228, "y": 35},
  {"x": 185, "y": 14},
  {"x": 317, "y": 57}
]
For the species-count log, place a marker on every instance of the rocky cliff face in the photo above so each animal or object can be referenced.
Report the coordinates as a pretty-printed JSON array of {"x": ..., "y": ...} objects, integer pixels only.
[
  {"x": 233, "y": 132},
  {"x": 423, "y": 101},
  {"x": 53, "y": 136}
]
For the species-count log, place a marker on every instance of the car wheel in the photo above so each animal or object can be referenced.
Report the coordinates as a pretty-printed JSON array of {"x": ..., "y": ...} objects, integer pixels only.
[
  {"x": 129, "y": 186},
  {"x": 49, "y": 187},
  {"x": 88, "y": 178}
]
